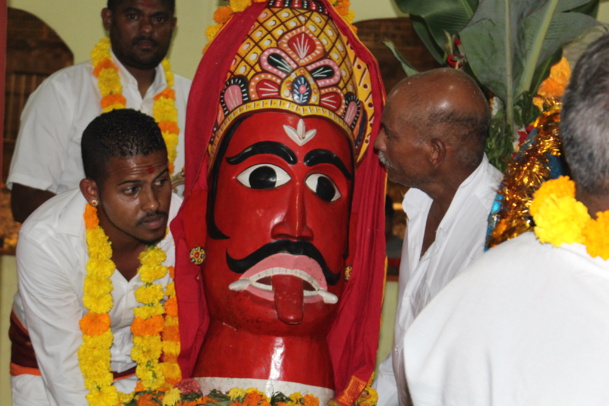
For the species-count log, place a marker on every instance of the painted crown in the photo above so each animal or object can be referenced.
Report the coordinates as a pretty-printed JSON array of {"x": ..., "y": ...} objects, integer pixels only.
[{"x": 295, "y": 59}]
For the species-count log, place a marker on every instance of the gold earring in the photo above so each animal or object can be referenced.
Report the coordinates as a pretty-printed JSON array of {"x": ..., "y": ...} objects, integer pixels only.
[{"x": 94, "y": 203}]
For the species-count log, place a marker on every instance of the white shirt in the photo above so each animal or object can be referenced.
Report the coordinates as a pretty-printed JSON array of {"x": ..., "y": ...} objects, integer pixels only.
[
  {"x": 47, "y": 152},
  {"x": 526, "y": 324},
  {"x": 51, "y": 265},
  {"x": 459, "y": 240}
]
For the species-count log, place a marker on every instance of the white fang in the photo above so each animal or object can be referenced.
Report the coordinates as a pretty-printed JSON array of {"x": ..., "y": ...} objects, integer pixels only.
[{"x": 300, "y": 135}]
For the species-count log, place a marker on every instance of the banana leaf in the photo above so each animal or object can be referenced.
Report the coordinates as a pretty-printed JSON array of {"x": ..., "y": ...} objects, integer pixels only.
[
  {"x": 510, "y": 46},
  {"x": 432, "y": 18}
]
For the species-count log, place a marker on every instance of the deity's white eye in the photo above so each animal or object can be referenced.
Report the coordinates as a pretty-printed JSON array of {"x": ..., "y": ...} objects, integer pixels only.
[
  {"x": 263, "y": 176},
  {"x": 323, "y": 187}
]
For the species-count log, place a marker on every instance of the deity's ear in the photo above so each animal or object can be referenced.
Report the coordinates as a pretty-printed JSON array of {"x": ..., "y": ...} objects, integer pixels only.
[{"x": 89, "y": 189}]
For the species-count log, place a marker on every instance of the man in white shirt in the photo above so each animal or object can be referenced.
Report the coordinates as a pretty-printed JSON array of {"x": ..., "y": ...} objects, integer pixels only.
[
  {"x": 432, "y": 140},
  {"x": 47, "y": 159},
  {"x": 527, "y": 323},
  {"x": 129, "y": 187}
]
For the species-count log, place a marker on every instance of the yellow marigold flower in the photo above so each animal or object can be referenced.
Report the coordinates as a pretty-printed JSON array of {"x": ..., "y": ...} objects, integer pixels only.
[
  {"x": 125, "y": 397},
  {"x": 149, "y": 293},
  {"x": 296, "y": 397},
  {"x": 350, "y": 16},
  {"x": 560, "y": 187},
  {"x": 172, "y": 396},
  {"x": 148, "y": 311},
  {"x": 212, "y": 31},
  {"x": 561, "y": 220},
  {"x": 171, "y": 371},
  {"x": 171, "y": 347},
  {"x": 240, "y": 5},
  {"x": 168, "y": 72},
  {"x": 237, "y": 393},
  {"x": 105, "y": 396},
  {"x": 596, "y": 233}
]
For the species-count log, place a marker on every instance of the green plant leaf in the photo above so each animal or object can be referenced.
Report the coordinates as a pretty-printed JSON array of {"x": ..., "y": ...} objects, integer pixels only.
[
  {"x": 432, "y": 18},
  {"x": 407, "y": 67}
]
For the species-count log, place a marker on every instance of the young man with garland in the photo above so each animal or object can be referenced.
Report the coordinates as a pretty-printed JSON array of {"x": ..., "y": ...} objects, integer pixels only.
[
  {"x": 126, "y": 70},
  {"x": 94, "y": 265},
  {"x": 527, "y": 324}
]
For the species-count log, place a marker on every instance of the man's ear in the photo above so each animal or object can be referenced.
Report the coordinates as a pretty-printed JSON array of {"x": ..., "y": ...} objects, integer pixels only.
[
  {"x": 106, "y": 16},
  {"x": 89, "y": 190},
  {"x": 438, "y": 152}
]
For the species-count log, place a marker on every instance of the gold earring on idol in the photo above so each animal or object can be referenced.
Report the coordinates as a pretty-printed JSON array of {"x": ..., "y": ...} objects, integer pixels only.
[{"x": 94, "y": 203}]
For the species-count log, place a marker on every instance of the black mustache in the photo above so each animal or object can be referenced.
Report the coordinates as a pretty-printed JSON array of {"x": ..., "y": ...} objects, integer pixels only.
[
  {"x": 140, "y": 39},
  {"x": 148, "y": 216},
  {"x": 283, "y": 246}
]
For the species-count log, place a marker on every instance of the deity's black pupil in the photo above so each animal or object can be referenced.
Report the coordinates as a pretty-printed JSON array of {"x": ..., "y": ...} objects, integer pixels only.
[
  {"x": 263, "y": 178},
  {"x": 324, "y": 189}
]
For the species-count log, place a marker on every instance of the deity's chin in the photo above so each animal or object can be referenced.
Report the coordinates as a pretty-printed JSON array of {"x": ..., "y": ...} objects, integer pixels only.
[{"x": 269, "y": 387}]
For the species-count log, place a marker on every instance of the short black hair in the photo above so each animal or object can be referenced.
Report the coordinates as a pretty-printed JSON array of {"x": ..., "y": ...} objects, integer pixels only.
[
  {"x": 112, "y": 4},
  {"x": 122, "y": 133}
]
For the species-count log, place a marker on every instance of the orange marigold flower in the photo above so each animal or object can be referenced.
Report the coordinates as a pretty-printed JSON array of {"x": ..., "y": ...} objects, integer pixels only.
[
  {"x": 150, "y": 327},
  {"x": 254, "y": 399},
  {"x": 146, "y": 400},
  {"x": 171, "y": 333},
  {"x": 104, "y": 64},
  {"x": 596, "y": 233},
  {"x": 94, "y": 324},
  {"x": 172, "y": 272},
  {"x": 91, "y": 219},
  {"x": 223, "y": 14},
  {"x": 171, "y": 307},
  {"x": 167, "y": 93},
  {"x": 310, "y": 400},
  {"x": 111, "y": 99},
  {"x": 169, "y": 126}
]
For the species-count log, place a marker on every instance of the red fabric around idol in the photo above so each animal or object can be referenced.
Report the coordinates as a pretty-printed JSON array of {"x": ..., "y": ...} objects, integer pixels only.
[{"x": 353, "y": 338}]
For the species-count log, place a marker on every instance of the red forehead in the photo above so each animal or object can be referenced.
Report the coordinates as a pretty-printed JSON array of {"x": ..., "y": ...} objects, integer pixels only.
[{"x": 274, "y": 126}]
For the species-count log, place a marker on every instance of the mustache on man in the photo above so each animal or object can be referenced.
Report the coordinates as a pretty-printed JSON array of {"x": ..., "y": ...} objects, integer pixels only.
[{"x": 283, "y": 247}]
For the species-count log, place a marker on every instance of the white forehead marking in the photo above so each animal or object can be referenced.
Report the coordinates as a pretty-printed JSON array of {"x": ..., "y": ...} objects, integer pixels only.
[{"x": 300, "y": 135}]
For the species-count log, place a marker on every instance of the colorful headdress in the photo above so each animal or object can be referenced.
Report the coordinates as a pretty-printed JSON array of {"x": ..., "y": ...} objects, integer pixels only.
[
  {"x": 296, "y": 59},
  {"x": 298, "y": 56}
]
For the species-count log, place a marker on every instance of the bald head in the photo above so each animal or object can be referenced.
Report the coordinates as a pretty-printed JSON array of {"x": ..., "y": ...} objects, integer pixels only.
[{"x": 445, "y": 104}]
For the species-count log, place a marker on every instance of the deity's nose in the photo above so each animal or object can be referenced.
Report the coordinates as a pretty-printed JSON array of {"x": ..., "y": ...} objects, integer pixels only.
[{"x": 293, "y": 225}]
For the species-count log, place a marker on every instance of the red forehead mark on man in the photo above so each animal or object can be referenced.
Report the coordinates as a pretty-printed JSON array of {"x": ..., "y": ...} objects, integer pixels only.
[{"x": 150, "y": 169}]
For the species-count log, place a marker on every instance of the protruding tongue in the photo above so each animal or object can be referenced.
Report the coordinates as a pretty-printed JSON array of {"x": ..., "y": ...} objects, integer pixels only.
[{"x": 289, "y": 294}]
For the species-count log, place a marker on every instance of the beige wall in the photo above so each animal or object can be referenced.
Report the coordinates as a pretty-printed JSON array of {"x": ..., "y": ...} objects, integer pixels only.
[{"x": 78, "y": 23}]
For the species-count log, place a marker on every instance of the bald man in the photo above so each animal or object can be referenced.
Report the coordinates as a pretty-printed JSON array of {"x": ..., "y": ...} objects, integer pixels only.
[{"x": 432, "y": 140}]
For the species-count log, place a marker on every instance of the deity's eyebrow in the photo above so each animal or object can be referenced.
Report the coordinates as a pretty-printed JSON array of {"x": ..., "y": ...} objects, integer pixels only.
[
  {"x": 264, "y": 147},
  {"x": 323, "y": 156}
]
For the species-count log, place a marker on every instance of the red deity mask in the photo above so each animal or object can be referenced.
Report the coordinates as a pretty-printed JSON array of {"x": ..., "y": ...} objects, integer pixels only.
[{"x": 278, "y": 219}]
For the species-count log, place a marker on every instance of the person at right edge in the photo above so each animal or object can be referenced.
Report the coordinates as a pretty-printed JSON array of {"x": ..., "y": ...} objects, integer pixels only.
[{"x": 527, "y": 324}]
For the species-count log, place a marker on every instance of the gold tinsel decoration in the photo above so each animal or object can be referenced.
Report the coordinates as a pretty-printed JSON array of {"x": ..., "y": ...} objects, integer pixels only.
[{"x": 524, "y": 175}]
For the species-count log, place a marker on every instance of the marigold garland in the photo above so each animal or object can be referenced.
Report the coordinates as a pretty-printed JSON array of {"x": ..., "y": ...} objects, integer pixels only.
[
  {"x": 164, "y": 110},
  {"x": 561, "y": 219},
  {"x": 155, "y": 328}
]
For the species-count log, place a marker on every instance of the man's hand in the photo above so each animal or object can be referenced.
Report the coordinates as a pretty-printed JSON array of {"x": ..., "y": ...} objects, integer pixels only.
[{"x": 24, "y": 200}]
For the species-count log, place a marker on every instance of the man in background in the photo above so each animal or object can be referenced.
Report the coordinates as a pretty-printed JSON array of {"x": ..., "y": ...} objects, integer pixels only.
[
  {"x": 126, "y": 72},
  {"x": 432, "y": 140}
]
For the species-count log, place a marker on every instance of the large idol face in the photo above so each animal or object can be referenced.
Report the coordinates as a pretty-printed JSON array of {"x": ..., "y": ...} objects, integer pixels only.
[{"x": 278, "y": 221}]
